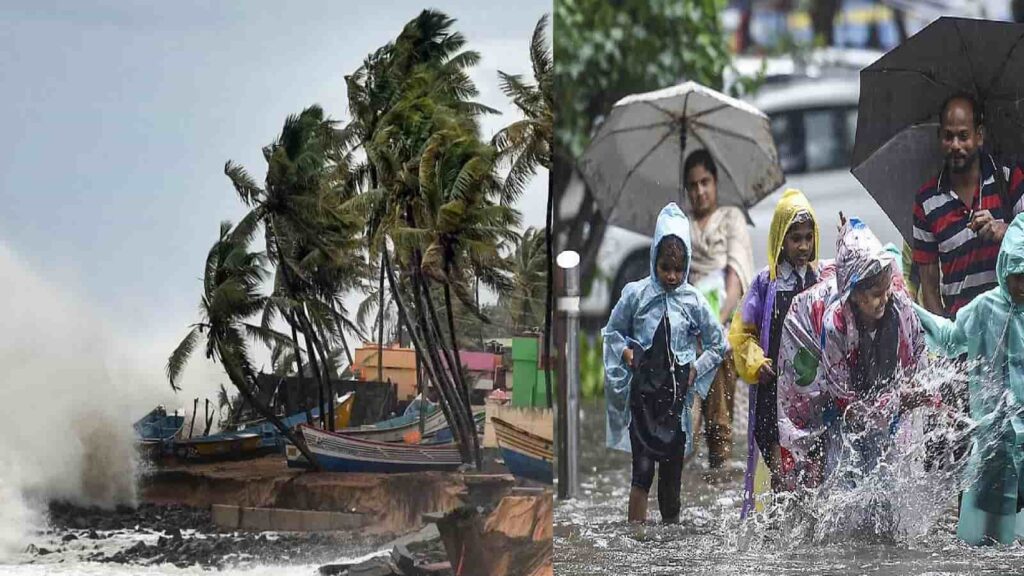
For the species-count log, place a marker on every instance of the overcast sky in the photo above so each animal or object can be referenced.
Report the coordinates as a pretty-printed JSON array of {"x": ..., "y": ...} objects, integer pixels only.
[{"x": 118, "y": 117}]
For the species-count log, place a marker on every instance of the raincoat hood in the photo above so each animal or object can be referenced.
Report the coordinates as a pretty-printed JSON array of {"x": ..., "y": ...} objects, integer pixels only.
[
  {"x": 1011, "y": 253},
  {"x": 859, "y": 255},
  {"x": 671, "y": 222},
  {"x": 792, "y": 203}
]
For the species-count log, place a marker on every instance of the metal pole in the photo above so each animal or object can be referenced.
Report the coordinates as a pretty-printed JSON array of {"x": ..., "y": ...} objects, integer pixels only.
[{"x": 569, "y": 306}]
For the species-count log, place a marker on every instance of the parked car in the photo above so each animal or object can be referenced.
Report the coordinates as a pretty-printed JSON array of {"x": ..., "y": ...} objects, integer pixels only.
[{"x": 814, "y": 122}]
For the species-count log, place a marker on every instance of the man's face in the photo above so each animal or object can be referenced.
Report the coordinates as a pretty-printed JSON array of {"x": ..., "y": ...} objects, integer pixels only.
[
  {"x": 703, "y": 190},
  {"x": 960, "y": 138},
  {"x": 870, "y": 302},
  {"x": 1015, "y": 286}
]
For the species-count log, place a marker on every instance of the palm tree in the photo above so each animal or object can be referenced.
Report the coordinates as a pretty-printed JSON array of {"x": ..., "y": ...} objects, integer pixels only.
[
  {"x": 529, "y": 279},
  {"x": 309, "y": 238},
  {"x": 231, "y": 282},
  {"x": 414, "y": 80},
  {"x": 527, "y": 144},
  {"x": 463, "y": 223}
]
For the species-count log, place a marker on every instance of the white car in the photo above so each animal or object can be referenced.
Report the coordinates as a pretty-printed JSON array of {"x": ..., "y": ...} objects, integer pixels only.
[{"x": 814, "y": 122}]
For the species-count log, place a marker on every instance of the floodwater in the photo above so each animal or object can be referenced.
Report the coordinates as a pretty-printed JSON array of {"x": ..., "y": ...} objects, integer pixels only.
[{"x": 901, "y": 522}]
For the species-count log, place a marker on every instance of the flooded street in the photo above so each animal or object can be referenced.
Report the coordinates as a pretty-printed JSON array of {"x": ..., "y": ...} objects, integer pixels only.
[{"x": 592, "y": 536}]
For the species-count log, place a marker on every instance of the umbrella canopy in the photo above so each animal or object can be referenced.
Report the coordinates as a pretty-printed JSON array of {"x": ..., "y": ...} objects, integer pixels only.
[
  {"x": 897, "y": 148},
  {"x": 634, "y": 164}
]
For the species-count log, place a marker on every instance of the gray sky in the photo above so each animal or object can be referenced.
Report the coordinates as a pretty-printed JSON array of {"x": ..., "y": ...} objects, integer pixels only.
[{"x": 119, "y": 116}]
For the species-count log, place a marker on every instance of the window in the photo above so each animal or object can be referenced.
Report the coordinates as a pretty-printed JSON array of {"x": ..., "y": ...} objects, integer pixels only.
[
  {"x": 815, "y": 139},
  {"x": 788, "y": 142},
  {"x": 824, "y": 140}
]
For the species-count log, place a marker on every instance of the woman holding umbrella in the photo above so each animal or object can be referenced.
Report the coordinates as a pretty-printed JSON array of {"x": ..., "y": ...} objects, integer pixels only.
[{"x": 722, "y": 268}]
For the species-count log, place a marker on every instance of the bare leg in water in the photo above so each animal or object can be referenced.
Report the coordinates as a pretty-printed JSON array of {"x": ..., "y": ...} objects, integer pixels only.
[{"x": 637, "y": 513}]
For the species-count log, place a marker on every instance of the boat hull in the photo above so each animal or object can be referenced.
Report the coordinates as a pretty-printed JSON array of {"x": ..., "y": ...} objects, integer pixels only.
[
  {"x": 526, "y": 455},
  {"x": 338, "y": 452}
]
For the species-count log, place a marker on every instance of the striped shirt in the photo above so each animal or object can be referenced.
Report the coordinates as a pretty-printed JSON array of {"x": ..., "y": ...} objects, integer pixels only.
[{"x": 941, "y": 232}]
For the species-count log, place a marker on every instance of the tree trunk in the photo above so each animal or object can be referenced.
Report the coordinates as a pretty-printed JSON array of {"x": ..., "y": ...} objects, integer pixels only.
[
  {"x": 241, "y": 377},
  {"x": 458, "y": 364},
  {"x": 301, "y": 376},
  {"x": 433, "y": 328},
  {"x": 315, "y": 365},
  {"x": 427, "y": 360},
  {"x": 321, "y": 342},
  {"x": 192, "y": 426},
  {"x": 209, "y": 419},
  {"x": 341, "y": 334},
  {"x": 380, "y": 325}
]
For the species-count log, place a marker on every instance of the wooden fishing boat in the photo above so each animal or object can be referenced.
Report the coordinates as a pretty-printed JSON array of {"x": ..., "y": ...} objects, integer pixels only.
[
  {"x": 155, "y": 433},
  {"x": 337, "y": 452},
  {"x": 396, "y": 429},
  {"x": 272, "y": 439},
  {"x": 526, "y": 455},
  {"x": 222, "y": 446}
]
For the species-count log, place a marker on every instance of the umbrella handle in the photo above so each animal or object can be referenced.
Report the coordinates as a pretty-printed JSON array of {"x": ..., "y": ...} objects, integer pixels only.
[{"x": 682, "y": 162}]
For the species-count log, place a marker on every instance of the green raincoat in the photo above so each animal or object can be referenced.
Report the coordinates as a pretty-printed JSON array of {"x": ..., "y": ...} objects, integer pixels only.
[{"x": 990, "y": 330}]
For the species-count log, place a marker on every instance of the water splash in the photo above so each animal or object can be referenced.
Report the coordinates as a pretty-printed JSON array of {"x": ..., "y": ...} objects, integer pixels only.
[
  {"x": 66, "y": 430},
  {"x": 892, "y": 489}
]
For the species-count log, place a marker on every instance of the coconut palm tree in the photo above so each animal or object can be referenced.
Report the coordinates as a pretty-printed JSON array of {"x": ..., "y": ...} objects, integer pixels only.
[
  {"x": 419, "y": 77},
  {"x": 231, "y": 282},
  {"x": 529, "y": 279},
  {"x": 309, "y": 238},
  {"x": 526, "y": 144},
  {"x": 462, "y": 223}
]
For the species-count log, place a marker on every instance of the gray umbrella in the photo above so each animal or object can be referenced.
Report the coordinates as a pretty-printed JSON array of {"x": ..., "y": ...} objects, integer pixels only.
[
  {"x": 634, "y": 163},
  {"x": 897, "y": 147}
]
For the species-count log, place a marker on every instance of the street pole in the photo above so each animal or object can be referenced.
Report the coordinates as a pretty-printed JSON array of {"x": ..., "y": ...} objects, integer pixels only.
[{"x": 569, "y": 308}]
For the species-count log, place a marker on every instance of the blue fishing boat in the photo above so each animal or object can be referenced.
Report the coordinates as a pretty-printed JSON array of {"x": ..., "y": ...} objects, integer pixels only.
[
  {"x": 338, "y": 452},
  {"x": 526, "y": 455},
  {"x": 155, "y": 432}
]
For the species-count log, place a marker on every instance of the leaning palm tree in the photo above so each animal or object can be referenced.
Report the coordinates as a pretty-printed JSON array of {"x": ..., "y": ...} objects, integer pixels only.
[
  {"x": 526, "y": 144},
  {"x": 413, "y": 80},
  {"x": 462, "y": 224},
  {"x": 389, "y": 133},
  {"x": 308, "y": 237},
  {"x": 231, "y": 282}
]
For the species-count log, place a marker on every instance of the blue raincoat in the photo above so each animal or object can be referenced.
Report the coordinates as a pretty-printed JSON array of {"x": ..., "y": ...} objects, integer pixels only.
[
  {"x": 990, "y": 330},
  {"x": 634, "y": 320}
]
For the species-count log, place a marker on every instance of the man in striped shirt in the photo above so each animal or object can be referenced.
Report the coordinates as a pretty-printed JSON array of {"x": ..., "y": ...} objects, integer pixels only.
[
  {"x": 959, "y": 221},
  {"x": 961, "y": 215}
]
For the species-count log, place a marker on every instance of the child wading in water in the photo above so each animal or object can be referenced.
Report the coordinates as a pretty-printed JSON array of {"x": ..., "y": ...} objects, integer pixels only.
[
  {"x": 990, "y": 330},
  {"x": 847, "y": 345},
  {"x": 756, "y": 329},
  {"x": 652, "y": 368}
]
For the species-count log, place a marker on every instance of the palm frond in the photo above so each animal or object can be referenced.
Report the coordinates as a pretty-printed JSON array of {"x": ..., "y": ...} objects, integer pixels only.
[{"x": 179, "y": 358}]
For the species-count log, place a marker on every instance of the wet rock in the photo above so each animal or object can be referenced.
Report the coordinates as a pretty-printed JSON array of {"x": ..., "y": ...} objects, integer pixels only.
[
  {"x": 403, "y": 559},
  {"x": 93, "y": 535},
  {"x": 69, "y": 538}
]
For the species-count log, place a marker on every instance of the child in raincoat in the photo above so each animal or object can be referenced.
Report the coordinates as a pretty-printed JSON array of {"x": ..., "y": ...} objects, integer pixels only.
[
  {"x": 756, "y": 329},
  {"x": 990, "y": 330},
  {"x": 847, "y": 344},
  {"x": 652, "y": 368}
]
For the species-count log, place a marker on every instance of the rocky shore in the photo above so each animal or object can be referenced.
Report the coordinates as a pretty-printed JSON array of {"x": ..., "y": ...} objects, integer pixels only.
[{"x": 185, "y": 536}]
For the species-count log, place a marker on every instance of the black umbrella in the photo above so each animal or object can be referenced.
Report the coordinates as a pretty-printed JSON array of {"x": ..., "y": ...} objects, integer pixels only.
[{"x": 897, "y": 147}]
